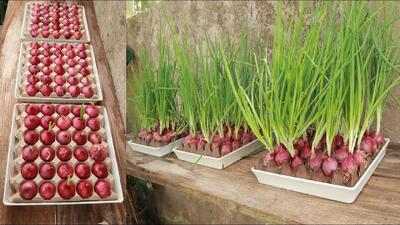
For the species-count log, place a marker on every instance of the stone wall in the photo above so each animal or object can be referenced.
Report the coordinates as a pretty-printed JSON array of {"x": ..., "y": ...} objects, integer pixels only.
[
  {"x": 112, "y": 23},
  {"x": 223, "y": 17}
]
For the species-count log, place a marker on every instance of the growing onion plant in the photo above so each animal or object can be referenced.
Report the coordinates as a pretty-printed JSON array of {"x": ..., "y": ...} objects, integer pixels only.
[
  {"x": 215, "y": 121},
  {"x": 314, "y": 99},
  {"x": 155, "y": 96}
]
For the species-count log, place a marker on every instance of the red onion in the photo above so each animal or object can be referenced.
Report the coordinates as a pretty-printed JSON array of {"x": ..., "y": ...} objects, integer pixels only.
[
  {"x": 165, "y": 138},
  {"x": 193, "y": 141},
  {"x": 235, "y": 144},
  {"x": 270, "y": 156},
  {"x": 217, "y": 138},
  {"x": 149, "y": 136},
  {"x": 143, "y": 134},
  {"x": 315, "y": 162},
  {"x": 200, "y": 144},
  {"x": 214, "y": 145},
  {"x": 296, "y": 162},
  {"x": 323, "y": 155},
  {"x": 301, "y": 143},
  {"x": 342, "y": 153},
  {"x": 226, "y": 149},
  {"x": 188, "y": 139},
  {"x": 306, "y": 153},
  {"x": 279, "y": 148},
  {"x": 379, "y": 138},
  {"x": 247, "y": 137},
  {"x": 349, "y": 165},
  {"x": 329, "y": 166},
  {"x": 337, "y": 142},
  {"x": 157, "y": 136},
  {"x": 367, "y": 145},
  {"x": 282, "y": 156},
  {"x": 169, "y": 134},
  {"x": 359, "y": 157},
  {"x": 321, "y": 144}
]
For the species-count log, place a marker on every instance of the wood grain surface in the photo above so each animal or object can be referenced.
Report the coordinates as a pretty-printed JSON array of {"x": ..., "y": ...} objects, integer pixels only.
[
  {"x": 82, "y": 214},
  {"x": 377, "y": 203}
]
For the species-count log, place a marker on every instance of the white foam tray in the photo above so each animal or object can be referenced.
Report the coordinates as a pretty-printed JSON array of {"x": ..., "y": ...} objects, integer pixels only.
[
  {"x": 324, "y": 190},
  {"x": 218, "y": 163},
  {"x": 25, "y": 24},
  {"x": 43, "y": 99},
  {"x": 154, "y": 151},
  {"x": 115, "y": 171}
]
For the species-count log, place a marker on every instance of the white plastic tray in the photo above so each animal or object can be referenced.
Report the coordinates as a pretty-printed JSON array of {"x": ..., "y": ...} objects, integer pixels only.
[
  {"x": 154, "y": 151},
  {"x": 324, "y": 190},
  {"x": 43, "y": 99},
  {"x": 218, "y": 163},
  {"x": 25, "y": 24},
  {"x": 115, "y": 171}
]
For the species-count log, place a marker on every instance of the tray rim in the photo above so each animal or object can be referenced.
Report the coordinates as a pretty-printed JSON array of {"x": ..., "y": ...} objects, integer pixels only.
[
  {"x": 133, "y": 146},
  {"x": 117, "y": 179},
  {"x": 215, "y": 159}
]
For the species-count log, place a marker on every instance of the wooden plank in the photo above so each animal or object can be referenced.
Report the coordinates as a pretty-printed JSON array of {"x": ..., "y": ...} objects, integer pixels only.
[
  {"x": 9, "y": 47},
  {"x": 88, "y": 214},
  {"x": 378, "y": 202},
  {"x": 109, "y": 213}
]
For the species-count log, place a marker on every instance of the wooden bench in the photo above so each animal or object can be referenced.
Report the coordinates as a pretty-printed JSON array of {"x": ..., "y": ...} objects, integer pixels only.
[{"x": 379, "y": 202}]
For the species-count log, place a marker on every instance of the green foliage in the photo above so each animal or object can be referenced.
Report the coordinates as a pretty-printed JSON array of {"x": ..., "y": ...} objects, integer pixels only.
[
  {"x": 335, "y": 76},
  {"x": 154, "y": 89}
]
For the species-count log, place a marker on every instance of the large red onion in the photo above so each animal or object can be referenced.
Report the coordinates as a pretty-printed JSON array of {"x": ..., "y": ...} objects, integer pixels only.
[
  {"x": 342, "y": 153},
  {"x": 296, "y": 162},
  {"x": 306, "y": 153},
  {"x": 329, "y": 166},
  {"x": 270, "y": 156},
  {"x": 359, "y": 157},
  {"x": 315, "y": 162},
  {"x": 282, "y": 156},
  {"x": 349, "y": 165}
]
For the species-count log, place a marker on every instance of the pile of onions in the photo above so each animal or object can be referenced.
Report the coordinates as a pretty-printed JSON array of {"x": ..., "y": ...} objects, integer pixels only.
[
  {"x": 224, "y": 144},
  {"x": 341, "y": 160}
]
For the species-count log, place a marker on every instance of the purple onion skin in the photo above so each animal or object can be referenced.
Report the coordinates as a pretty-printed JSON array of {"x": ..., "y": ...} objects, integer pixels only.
[
  {"x": 329, "y": 166},
  {"x": 359, "y": 157},
  {"x": 367, "y": 145},
  {"x": 149, "y": 136},
  {"x": 296, "y": 162},
  {"x": 200, "y": 144},
  {"x": 270, "y": 156},
  {"x": 379, "y": 138},
  {"x": 315, "y": 162},
  {"x": 342, "y": 153},
  {"x": 306, "y": 153},
  {"x": 349, "y": 165},
  {"x": 142, "y": 134},
  {"x": 226, "y": 149},
  {"x": 215, "y": 145},
  {"x": 282, "y": 157}
]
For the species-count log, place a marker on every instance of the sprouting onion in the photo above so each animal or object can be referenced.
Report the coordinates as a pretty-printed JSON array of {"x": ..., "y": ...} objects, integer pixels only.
[
  {"x": 331, "y": 77},
  {"x": 144, "y": 98},
  {"x": 155, "y": 92}
]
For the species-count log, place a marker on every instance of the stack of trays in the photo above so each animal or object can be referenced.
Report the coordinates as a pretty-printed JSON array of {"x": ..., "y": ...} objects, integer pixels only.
[{"x": 59, "y": 154}]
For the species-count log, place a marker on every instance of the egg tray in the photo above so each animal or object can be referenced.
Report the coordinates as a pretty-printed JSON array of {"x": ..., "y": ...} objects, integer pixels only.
[
  {"x": 26, "y": 24},
  {"x": 23, "y": 72},
  {"x": 15, "y": 161}
]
